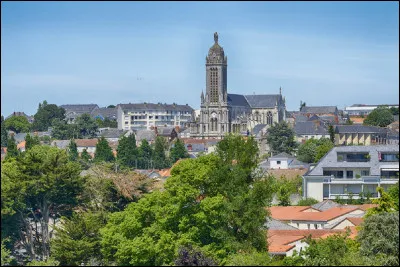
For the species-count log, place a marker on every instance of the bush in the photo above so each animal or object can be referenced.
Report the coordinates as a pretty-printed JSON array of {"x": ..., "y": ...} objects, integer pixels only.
[{"x": 307, "y": 202}]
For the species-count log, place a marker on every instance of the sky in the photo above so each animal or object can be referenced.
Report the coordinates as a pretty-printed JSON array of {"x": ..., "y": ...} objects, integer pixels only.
[{"x": 321, "y": 53}]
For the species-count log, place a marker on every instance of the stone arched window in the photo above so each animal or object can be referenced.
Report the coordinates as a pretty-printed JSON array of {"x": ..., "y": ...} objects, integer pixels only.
[{"x": 269, "y": 118}]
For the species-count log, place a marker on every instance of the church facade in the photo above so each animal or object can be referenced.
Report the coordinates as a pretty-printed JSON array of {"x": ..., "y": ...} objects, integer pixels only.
[{"x": 222, "y": 113}]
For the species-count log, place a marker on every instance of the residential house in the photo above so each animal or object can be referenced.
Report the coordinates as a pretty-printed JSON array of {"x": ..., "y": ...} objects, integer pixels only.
[
  {"x": 353, "y": 170},
  {"x": 149, "y": 135},
  {"x": 285, "y": 161},
  {"x": 185, "y": 133},
  {"x": 146, "y": 115},
  {"x": 321, "y": 111},
  {"x": 309, "y": 129},
  {"x": 169, "y": 133},
  {"x": 22, "y": 114},
  {"x": 113, "y": 134},
  {"x": 360, "y": 135},
  {"x": 74, "y": 111},
  {"x": 104, "y": 113}
]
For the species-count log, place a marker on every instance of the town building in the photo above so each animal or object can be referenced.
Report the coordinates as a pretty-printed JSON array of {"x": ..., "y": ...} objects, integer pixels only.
[
  {"x": 223, "y": 113},
  {"x": 363, "y": 110},
  {"x": 74, "y": 111},
  {"x": 352, "y": 170},
  {"x": 310, "y": 129},
  {"x": 147, "y": 115},
  {"x": 22, "y": 114},
  {"x": 360, "y": 135},
  {"x": 327, "y": 112}
]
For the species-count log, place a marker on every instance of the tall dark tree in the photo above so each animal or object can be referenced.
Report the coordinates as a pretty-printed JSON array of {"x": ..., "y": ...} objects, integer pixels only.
[
  {"x": 159, "y": 157},
  {"x": 331, "y": 131},
  {"x": 127, "y": 152},
  {"x": 73, "y": 151},
  {"x": 103, "y": 151},
  {"x": 87, "y": 126},
  {"x": 145, "y": 155},
  {"x": 85, "y": 155},
  {"x": 18, "y": 124},
  {"x": 178, "y": 151},
  {"x": 64, "y": 131},
  {"x": 189, "y": 256},
  {"x": 4, "y": 134},
  {"x": 280, "y": 138},
  {"x": 46, "y": 114},
  {"x": 31, "y": 141},
  {"x": 12, "y": 150}
]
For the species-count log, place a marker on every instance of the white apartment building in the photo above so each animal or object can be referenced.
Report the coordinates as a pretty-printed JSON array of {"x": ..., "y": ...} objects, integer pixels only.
[
  {"x": 359, "y": 109},
  {"x": 147, "y": 115},
  {"x": 351, "y": 170}
]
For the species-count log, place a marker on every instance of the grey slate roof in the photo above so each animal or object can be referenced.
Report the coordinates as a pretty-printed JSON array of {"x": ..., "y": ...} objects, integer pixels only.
[
  {"x": 330, "y": 159},
  {"x": 300, "y": 118},
  {"x": 319, "y": 110},
  {"x": 149, "y": 135},
  {"x": 309, "y": 128},
  {"x": 359, "y": 129},
  {"x": 80, "y": 108},
  {"x": 110, "y": 113},
  {"x": 151, "y": 106},
  {"x": 282, "y": 155},
  {"x": 62, "y": 144},
  {"x": 325, "y": 205},
  {"x": 273, "y": 224},
  {"x": 256, "y": 130},
  {"x": 165, "y": 131},
  {"x": 237, "y": 100},
  {"x": 19, "y": 137},
  {"x": 112, "y": 133},
  {"x": 263, "y": 101}
]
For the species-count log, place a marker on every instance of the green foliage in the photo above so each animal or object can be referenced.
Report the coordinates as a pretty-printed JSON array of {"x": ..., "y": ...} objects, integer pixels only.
[
  {"x": 281, "y": 138},
  {"x": 379, "y": 237},
  {"x": 189, "y": 256},
  {"x": 64, "y": 131},
  {"x": 145, "y": 155},
  {"x": 18, "y": 124},
  {"x": 86, "y": 126},
  {"x": 106, "y": 123},
  {"x": 85, "y": 156},
  {"x": 381, "y": 116},
  {"x": 73, "y": 151},
  {"x": 5, "y": 254},
  {"x": 207, "y": 202},
  {"x": 45, "y": 115},
  {"x": 159, "y": 157},
  {"x": 103, "y": 151},
  {"x": 385, "y": 204},
  {"x": 41, "y": 184},
  {"x": 284, "y": 196},
  {"x": 111, "y": 106},
  {"x": 307, "y": 202},
  {"x": 4, "y": 134},
  {"x": 331, "y": 131},
  {"x": 31, "y": 141},
  {"x": 394, "y": 110},
  {"x": 12, "y": 150},
  {"x": 78, "y": 238},
  {"x": 313, "y": 150},
  {"x": 178, "y": 151},
  {"x": 253, "y": 258},
  {"x": 127, "y": 152},
  {"x": 49, "y": 262}
]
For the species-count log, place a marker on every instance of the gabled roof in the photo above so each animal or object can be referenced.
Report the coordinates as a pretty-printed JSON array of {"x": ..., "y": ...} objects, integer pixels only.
[
  {"x": 263, "y": 101},
  {"x": 86, "y": 142},
  {"x": 149, "y": 135},
  {"x": 110, "y": 113},
  {"x": 310, "y": 128},
  {"x": 237, "y": 100},
  {"x": 282, "y": 155},
  {"x": 62, "y": 144},
  {"x": 286, "y": 213},
  {"x": 112, "y": 133},
  {"x": 151, "y": 106},
  {"x": 79, "y": 108},
  {"x": 359, "y": 129},
  {"x": 325, "y": 205},
  {"x": 319, "y": 109},
  {"x": 165, "y": 131},
  {"x": 273, "y": 224}
]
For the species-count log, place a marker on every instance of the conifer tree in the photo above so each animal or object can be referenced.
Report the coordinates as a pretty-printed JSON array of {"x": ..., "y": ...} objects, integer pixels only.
[
  {"x": 103, "y": 151},
  {"x": 73, "y": 151},
  {"x": 178, "y": 151},
  {"x": 85, "y": 155},
  {"x": 159, "y": 157},
  {"x": 145, "y": 155},
  {"x": 31, "y": 141},
  {"x": 4, "y": 135},
  {"x": 12, "y": 150},
  {"x": 127, "y": 151}
]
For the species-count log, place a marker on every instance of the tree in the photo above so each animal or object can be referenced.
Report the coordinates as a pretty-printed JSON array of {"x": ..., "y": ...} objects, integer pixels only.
[
  {"x": 281, "y": 138},
  {"x": 103, "y": 151},
  {"x": 12, "y": 150},
  {"x": 5, "y": 254},
  {"x": 86, "y": 126},
  {"x": 159, "y": 157},
  {"x": 302, "y": 105},
  {"x": 307, "y": 151},
  {"x": 85, "y": 155},
  {"x": 64, "y": 131},
  {"x": 324, "y": 145},
  {"x": 394, "y": 194},
  {"x": 331, "y": 131},
  {"x": 45, "y": 115},
  {"x": 145, "y": 155},
  {"x": 78, "y": 238},
  {"x": 127, "y": 152},
  {"x": 381, "y": 116},
  {"x": 207, "y": 203},
  {"x": 111, "y": 106},
  {"x": 178, "y": 151},
  {"x": 394, "y": 110},
  {"x": 379, "y": 237},
  {"x": 284, "y": 196},
  {"x": 189, "y": 256},
  {"x": 106, "y": 123},
  {"x": 385, "y": 204},
  {"x": 307, "y": 202},
  {"x": 4, "y": 134},
  {"x": 253, "y": 258},
  {"x": 31, "y": 141},
  {"x": 73, "y": 151},
  {"x": 18, "y": 124},
  {"x": 49, "y": 262},
  {"x": 39, "y": 187}
]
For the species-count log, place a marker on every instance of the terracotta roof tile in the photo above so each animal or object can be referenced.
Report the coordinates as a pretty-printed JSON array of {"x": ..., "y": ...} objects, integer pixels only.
[
  {"x": 21, "y": 145},
  {"x": 354, "y": 220},
  {"x": 286, "y": 213},
  {"x": 86, "y": 142},
  {"x": 280, "y": 248},
  {"x": 294, "y": 213}
]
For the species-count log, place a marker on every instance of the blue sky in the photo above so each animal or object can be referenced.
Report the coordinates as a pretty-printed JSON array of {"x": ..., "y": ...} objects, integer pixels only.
[{"x": 323, "y": 53}]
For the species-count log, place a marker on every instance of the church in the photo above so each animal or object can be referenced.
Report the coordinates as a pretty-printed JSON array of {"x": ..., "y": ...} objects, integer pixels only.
[{"x": 222, "y": 113}]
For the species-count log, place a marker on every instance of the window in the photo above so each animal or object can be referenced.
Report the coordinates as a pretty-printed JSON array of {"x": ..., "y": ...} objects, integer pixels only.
[
  {"x": 150, "y": 117},
  {"x": 336, "y": 174},
  {"x": 353, "y": 157},
  {"x": 278, "y": 162},
  {"x": 365, "y": 173},
  {"x": 127, "y": 122},
  {"x": 389, "y": 157},
  {"x": 269, "y": 118},
  {"x": 349, "y": 174},
  {"x": 156, "y": 117},
  {"x": 316, "y": 226}
]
